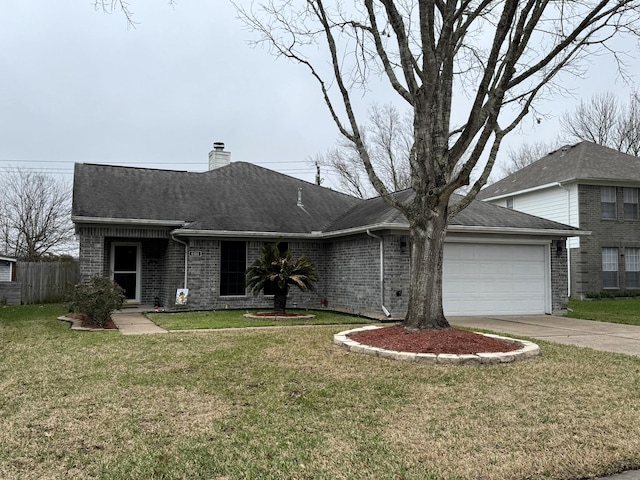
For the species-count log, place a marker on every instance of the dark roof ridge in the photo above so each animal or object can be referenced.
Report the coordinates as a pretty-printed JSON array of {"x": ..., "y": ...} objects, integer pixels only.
[{"x": 133, "y": 167}]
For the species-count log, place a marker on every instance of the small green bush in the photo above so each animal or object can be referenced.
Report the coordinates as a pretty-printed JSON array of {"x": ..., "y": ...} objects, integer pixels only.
[{"x": 97, "y": 300}]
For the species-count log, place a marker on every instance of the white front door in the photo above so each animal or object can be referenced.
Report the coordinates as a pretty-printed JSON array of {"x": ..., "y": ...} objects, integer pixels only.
[
  {"x": 125, "y": 269},
  {"x": 493, "y": 279}
]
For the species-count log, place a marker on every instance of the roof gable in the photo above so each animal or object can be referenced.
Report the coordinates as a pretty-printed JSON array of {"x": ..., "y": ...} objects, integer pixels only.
[{"x": 584, "y": 161}]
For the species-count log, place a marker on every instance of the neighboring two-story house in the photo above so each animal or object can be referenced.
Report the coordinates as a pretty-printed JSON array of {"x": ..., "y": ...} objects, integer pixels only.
[{"x": 595, "y": 189}]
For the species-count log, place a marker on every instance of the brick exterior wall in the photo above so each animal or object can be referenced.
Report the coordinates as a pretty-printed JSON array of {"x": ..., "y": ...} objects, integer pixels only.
[
  {"x": 348, "y": 269},
  {"x": 586, "y": 261},
  {"x": 559, "y": 278}
]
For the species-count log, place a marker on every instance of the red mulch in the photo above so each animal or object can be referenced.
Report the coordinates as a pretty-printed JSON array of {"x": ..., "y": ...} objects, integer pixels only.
[
  {"x": 448, "y": 340},
  {"x": 86, "y": 323}
]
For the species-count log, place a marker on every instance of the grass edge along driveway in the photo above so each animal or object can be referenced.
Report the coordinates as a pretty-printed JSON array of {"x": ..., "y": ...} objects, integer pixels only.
[{"x": 286, "y": 403}]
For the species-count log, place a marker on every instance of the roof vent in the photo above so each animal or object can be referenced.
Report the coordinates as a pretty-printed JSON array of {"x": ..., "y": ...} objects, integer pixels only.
[
  {"x": 300, "y": 204},
  {"x": 218, "y": 157}
]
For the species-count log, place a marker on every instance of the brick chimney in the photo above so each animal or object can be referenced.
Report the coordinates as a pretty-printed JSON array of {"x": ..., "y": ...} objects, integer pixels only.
[{"x": 218, "y": 157}]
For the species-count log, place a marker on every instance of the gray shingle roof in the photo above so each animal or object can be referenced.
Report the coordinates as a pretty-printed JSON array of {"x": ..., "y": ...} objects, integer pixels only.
[
  {"x": 584, "y": 161},
  {"x": 477, "y": 214},
  {"x": 242, "y": 197},
  {"x": 238, "y": 197}
]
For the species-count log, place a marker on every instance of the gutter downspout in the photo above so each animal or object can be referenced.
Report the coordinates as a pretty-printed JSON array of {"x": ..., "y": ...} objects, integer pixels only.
[
  {"x": 186, "y": 257},
  {"x": 384, "y": 309},
  {"x": 568, "y": 240}
]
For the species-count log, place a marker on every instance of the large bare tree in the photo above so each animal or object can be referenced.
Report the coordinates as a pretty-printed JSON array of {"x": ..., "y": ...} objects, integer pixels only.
[
  {"x": 388, "y": 137},
  {"x": 35, "y": 215},
  {"x": 498, "y": 56},
  {"x": 605, "y": 120}
]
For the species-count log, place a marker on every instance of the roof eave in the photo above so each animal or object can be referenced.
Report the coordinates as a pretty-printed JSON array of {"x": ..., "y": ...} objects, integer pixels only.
[
  {"x": 553, "y": 232},
  {"x": 127, "y": 221},
  {"x": 188, "y": 232},
  {"x": 528, "y": 190}
]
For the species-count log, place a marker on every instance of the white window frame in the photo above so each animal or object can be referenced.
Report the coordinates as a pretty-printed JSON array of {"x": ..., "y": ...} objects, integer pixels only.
[
  {"x": 510, "y": 203},
  {"x": 632, "y": 265},
  {"x": 610, "y": 264},
  {"x": 630, "y": 197},
  {"x": 608, "y": 197}
]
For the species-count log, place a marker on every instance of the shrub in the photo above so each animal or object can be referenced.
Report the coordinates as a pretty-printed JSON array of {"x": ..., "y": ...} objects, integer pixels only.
[{"x": 97, "y": 300}]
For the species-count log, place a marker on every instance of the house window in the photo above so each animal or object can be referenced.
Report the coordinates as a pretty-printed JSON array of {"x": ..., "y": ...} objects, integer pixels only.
[
  {"x": 510, "y": 202},
  {"x": 632, "y": 267},
  {"x": 630, "y": 203},
  {"x": 608, "y": 202},
  {"x": 233, "y": 267},
  {"x": 269, "y": 288},
  {"x": 609, "y": 268}
]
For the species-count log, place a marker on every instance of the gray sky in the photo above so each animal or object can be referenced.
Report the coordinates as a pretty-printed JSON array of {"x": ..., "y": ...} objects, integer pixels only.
[{"x": 78, "y": 86}]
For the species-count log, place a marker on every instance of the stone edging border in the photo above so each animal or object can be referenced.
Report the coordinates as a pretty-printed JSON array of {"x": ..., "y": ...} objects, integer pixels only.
[
  {"x": 527, "y": 350},
  {"x": 77, "y": 325}
]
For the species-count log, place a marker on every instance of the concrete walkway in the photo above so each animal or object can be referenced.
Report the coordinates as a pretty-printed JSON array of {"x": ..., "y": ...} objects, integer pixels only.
[
  {"x": 134, "y": 323},
  {"x": 607, "y": 337}
]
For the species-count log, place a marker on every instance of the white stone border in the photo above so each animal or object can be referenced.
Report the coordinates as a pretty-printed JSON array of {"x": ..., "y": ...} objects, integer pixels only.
[{"x": 527, "y": 350}]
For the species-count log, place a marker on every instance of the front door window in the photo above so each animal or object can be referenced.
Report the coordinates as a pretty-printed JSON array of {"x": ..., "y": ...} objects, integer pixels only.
[{"x": 125, "y": 266}]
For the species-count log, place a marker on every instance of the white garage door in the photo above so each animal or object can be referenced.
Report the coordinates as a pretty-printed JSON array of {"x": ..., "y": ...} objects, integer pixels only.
[{"x": 495, "y": 279}]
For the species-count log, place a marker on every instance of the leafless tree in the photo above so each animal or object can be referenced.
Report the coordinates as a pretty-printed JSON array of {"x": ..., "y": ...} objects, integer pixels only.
[
  {"x": 123, "y": 6},
  {"x": 388, "y": 138},
  {"x": 35, "y": 215},
  {"x": 497, "y": 55},
  {"x": 605, "y": 121}
]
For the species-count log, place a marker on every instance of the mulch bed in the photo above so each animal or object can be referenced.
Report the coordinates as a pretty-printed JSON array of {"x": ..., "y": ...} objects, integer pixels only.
[
  {"x": 86, "y": 323},
  {"x": 448, "y": 340},
  {"x": 274, "y": 314}
]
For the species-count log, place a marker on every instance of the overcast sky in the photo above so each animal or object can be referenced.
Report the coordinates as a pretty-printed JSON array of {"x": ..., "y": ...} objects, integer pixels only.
[{"x": 77, "y": 85}]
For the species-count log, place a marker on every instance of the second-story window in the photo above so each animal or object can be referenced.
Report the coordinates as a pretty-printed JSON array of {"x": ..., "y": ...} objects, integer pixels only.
[
  {"x": 608, "y": 202},
  {"x": 510, "y": 202},
  {"x": 630, "y": 203}
]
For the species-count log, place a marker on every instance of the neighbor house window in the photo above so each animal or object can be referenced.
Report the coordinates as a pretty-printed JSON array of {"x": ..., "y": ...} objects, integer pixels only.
[
  {"x": 632, "y": 267},
  {"x": 269, "y": 288},
  {"x": 233, "y": 267},
  {"x": 510, "y": 202},
  {"x": 608, "y": 202},
  {"x": 630, "y": 203},
  {"x": 609, "y": 268}
]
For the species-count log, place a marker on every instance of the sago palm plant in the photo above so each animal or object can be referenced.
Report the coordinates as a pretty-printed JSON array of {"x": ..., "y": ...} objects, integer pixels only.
[{"x": 278, "y": 270}]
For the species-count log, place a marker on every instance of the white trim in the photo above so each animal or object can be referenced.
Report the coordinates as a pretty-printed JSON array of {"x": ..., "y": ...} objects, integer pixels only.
[
  {"x": 183, "y": 232},
  {"x": 9, "y": 259},
  {"x": 128, "y": 221},
  {"x": 138, "y": 272},
  {"x": 580, "y": 181},
  {"x": 526, "y": 190}
]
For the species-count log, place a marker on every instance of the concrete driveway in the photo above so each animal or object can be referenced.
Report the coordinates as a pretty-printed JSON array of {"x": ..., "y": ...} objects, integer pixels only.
[{"x": 608, "y": 337}]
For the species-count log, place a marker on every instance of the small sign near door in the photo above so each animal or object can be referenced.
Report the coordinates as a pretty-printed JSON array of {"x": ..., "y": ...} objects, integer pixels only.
[{"x": 182, "y": 295}]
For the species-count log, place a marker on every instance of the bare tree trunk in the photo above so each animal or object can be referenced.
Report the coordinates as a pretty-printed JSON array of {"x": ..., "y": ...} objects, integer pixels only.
[{"x": 425, "y": 289}]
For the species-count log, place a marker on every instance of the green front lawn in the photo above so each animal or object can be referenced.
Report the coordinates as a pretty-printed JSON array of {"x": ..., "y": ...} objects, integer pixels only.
[
  {"x": 235, "y": 319},
  {"x": 623, "y": 310},
  {"x": 286, "y": 403}
]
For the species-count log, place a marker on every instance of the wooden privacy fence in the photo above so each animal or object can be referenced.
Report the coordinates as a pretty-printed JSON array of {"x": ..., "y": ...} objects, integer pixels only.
[{"x": 47, "y": 282}]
